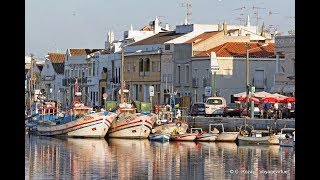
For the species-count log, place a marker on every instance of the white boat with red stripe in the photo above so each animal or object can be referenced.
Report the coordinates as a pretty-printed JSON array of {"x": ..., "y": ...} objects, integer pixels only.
[{"x": 79, "y": 121}]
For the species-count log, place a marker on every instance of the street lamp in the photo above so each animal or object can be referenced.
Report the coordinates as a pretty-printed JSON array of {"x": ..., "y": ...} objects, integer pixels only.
[
  {"x": 247, "y": 77},
  {"x": 214, "y": 69}
]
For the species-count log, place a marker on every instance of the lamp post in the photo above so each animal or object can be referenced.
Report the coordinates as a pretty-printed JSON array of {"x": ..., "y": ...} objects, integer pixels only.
[
  {"x": 247, "y": 77},
  {"x": 214, "y": 68}
]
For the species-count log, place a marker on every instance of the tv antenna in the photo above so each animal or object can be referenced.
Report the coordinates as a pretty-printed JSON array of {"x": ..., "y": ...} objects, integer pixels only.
[
  {"x": 257, "y": 15},
  {"x": 240, "y": 8},
  {"x": 271, "y": 12},
  {"x": 188, "y": 15}
]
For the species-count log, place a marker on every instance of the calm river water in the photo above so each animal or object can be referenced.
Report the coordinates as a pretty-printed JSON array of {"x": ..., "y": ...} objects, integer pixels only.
[{"x": 71, "y": 158}]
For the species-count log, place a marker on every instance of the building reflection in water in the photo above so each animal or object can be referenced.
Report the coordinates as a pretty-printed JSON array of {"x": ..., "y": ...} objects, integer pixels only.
[{"x": 69, "y": 158}]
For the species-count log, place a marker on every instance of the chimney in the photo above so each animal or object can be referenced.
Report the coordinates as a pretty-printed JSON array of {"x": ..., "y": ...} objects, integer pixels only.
[
  {"x": 225, "y": 30},
  {"x": 263, "y": 30},
  {"x": 167, "y": 27},
  {"x": 156, "y": 28}
]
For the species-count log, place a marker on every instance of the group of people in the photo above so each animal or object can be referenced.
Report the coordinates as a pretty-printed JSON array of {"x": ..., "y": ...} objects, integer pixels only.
[{"x": 278, "y": 111}]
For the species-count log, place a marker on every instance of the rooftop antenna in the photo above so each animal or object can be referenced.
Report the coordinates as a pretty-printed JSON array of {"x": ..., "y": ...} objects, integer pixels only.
[
  {"x": 188, "y": 16},
  {"x": 240, "y": 8},
  {"x": 271, "y": 12},
  {"x": 257, "y": 15}
]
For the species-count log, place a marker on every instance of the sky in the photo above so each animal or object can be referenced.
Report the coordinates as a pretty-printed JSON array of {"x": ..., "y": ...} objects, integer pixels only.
[{"x": 56, "y": 25}]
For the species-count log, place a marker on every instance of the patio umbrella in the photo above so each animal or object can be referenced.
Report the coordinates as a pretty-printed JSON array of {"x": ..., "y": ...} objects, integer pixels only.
[
  {"x": 269, "y": 99},
  {"x": 242, "y": 98},
  {"x": 288, "y": 99}
]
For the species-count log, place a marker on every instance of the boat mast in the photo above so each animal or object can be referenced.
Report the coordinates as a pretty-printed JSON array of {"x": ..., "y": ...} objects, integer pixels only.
[
  {"x": 122, "y": 78},
  {"x": 31, "y": 84}
]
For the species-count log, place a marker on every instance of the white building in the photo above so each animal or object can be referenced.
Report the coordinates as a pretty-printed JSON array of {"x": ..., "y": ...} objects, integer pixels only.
[{"x": 51, "y": 77}]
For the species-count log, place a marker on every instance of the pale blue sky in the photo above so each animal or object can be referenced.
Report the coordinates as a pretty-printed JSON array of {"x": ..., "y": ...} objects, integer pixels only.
[{"x": 55, "y": 25}]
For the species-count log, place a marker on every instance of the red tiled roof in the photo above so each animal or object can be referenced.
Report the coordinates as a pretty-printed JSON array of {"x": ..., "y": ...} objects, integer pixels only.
[
  {"x": 202, "y": 37},
  {"x": 82, "y": 52},
  {"x": 146, "y": 28},
  {"x": 238, "y": 49},
  {"x": 56, "y": 57}
]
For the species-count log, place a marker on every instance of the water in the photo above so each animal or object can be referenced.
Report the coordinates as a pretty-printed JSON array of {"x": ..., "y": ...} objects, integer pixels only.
[{"x": 73, "y": 158}]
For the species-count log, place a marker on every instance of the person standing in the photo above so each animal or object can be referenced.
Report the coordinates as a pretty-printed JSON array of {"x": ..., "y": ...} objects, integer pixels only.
[
  {"x": 289, "y": 107},
  {"x": 276, "y": 109}
]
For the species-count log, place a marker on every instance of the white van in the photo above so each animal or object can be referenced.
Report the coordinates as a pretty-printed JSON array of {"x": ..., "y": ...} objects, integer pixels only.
[{"x": 215, "y": 106}]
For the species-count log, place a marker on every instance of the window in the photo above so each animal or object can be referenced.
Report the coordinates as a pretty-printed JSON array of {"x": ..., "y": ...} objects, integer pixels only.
[
  {"x": 128, "y": 67},
  {"x": 141, "y": 65},
  {"x": 159, "y": 66},
  {"x": 96, "y": 96},
  {"x": 187, "y": 74},
  {"x": 167, "y": 47},
  {"x": 147, "y": 65},
  {"x": 93, "y": 68},
  {"x": 140, "y": 88},
  {"x": 178, "y": 74},
  {"x": 90, "y": 69},
  {"x": 134, "y": 67},
  {"x": 153, "y": 66}
]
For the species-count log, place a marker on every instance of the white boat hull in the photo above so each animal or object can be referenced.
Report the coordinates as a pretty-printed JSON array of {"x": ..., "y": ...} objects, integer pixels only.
[
  {"x": 286, "y": 142},
  {"x": 227, "y": 136},
  {"x": 136, "y": 126},
  {"x": 273, "y": 139},
  {"x": 91, "y": 125},
  {"x": 159, "y": 137},
  {"x": 206, "y": 137},
  {"x": 183, "y": 137}
]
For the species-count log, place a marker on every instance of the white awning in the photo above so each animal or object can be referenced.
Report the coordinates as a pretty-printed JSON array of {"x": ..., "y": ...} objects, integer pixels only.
[{"x": 243, "y": 94}]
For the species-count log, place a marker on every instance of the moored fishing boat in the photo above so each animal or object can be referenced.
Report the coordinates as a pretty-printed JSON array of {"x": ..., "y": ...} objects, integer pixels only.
[
  {"x": 166, "y": 122},
  {"x": 287, "y": 137},
  {"x": 79, "y": 121},
  {"x": 222, "y": 135},
  {"x": 201, "y": 136},
  {"x": 161, "y": 137},
  {"x": 183, "y": 137},
  {"x": 129, "y": 123},
  {"x": 248, "y": 135}
]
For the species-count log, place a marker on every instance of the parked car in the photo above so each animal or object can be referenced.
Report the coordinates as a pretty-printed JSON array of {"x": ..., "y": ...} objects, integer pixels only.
[
  {"x": 257, "y": 111},
  {"x": 215, "y": 105},
  {"x": 198, "y": 108},
  {"x": 232, "y": 109}
]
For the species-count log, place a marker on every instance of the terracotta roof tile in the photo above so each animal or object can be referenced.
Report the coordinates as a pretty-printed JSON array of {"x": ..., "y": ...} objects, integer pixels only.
[
  {"x": 82, "y": 52},
  {"x": 202, "y": 37},
  {"x": 56, "y": 57},
  {"x": 238, "y": 49},
  {"x": 147, "y": 28}
]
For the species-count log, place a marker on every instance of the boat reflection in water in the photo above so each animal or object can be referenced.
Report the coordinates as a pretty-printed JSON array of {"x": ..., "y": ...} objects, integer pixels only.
[
  {"x": 114, "y": 158},
  {"x": 62, "y": 158}
]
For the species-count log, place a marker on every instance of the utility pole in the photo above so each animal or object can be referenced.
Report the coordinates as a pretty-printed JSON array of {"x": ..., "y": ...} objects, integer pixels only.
[
  {"x": 247, "y": 78},
  {"x": 122, "y": 78}
]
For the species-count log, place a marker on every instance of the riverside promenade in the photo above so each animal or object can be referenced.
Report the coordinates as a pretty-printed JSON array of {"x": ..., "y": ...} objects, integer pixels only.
[{"x": 232, "y": 124}]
